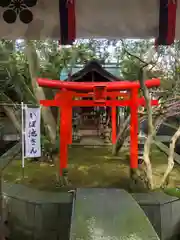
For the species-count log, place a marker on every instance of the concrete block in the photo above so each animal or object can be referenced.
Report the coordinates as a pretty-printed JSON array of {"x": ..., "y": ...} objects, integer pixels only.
[
  {"x": 30, "y": 214},
  {"x": 163, "y": 212},
  {"x": 18, "y": 211},
  {"x": 51, "y": 235},
  {"x": 166, "y": 221},
  {"x": 153, "y": 214},
  {"x": 20, "y": 233},
  {"x": 50, "y": 216},
  {"x": 38, "y": 218},
  {"x": 176, "y": 218},
  {"x": 65, "y": 212}
]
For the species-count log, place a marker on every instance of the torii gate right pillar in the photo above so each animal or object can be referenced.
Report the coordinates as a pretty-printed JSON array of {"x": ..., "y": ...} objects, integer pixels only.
[{"x": 134, "y": 128}]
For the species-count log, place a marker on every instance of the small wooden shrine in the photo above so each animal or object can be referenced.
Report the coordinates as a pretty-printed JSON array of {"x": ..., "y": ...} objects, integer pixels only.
[{"x": 93, "y": 124}]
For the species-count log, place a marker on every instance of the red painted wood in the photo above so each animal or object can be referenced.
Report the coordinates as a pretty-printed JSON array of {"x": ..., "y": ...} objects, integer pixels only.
[
  {"x": 110, "y": 103},
  {"x": 91, "y": 103},
  {"x": 50, "y": 103},
  {"x": 65, "y": 102},
  {"x": 69, "y": 90},
  {"x": 100, "y": 93},
  {"x": 71, "y": 21},
  {"x": 89, "y": 86},
  {"x": 64, "y": 140},
  {"x": 69, "y": 120},
  {"x": 109, "y": 94},
  {"x": 134, "y": 129},
  {"x": 113, "y": 119},
  {"x": 64, "y": 98},
  {"x": 172, "y": 7}
]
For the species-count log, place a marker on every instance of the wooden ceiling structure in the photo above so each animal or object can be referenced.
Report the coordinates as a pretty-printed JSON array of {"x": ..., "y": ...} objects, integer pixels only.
[{"x": 70, "y": 19}]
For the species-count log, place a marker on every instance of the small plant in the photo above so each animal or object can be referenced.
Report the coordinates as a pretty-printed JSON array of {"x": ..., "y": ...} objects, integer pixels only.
[{"x": 48, "y": 149}]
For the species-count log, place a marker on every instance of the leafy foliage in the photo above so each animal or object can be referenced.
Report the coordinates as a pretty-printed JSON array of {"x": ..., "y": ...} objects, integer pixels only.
[{"x": 15, "y": 78}]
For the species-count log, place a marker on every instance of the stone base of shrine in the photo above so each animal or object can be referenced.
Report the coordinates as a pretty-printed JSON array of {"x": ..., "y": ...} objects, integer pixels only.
[{"x": 34, "y": 214}]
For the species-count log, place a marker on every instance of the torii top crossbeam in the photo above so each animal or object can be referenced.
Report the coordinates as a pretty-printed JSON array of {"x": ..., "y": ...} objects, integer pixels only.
[
  {"x": 88, "y": 86},
  {"x": 71, "y": 19}
]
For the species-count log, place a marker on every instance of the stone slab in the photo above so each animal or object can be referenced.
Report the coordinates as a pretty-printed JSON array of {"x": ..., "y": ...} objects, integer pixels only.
[
  {"x": 32, "y": 195},
  {"x": 108, "y": 214},
  {"x": 37, "y": 215},
  {"x": 153, "y": 198},
  {"x": 163, "y": 211}
]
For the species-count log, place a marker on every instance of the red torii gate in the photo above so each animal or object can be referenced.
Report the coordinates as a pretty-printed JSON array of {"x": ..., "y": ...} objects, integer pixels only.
[{"x": 100, "y": 92}]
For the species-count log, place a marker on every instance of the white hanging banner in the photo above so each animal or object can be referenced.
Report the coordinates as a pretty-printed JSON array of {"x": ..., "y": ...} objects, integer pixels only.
[{"x": 32, "y": 132}]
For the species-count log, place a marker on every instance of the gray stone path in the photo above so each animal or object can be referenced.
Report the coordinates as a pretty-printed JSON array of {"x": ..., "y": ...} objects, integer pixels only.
[{"x": 109, "y": 214}]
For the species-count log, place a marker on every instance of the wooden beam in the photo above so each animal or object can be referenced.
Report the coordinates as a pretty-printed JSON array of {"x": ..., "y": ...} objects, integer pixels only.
[{"x": 165, "y": 149}]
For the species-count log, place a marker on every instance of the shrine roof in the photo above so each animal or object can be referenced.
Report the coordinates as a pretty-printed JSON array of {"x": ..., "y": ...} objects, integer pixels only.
[{"x": 93, "y": 71}]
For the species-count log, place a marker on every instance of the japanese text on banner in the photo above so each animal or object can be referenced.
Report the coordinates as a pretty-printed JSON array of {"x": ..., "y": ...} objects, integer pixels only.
[{"x": 32, "y": 132}]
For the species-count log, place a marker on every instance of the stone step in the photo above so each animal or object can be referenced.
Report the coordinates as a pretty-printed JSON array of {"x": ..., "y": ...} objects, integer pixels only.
[
  {"x": 88, "y": 132},
  {"x": 91, "y": 141}
]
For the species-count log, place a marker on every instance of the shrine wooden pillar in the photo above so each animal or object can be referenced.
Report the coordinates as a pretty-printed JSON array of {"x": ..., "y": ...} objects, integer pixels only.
[
  {"x": 64, "y": 140},
  {"x": 65, "y": 99},
  {"x": 69, "y": 119},
  {"x": 134, "y": 128},
  {"x": 114, "y": 124}
]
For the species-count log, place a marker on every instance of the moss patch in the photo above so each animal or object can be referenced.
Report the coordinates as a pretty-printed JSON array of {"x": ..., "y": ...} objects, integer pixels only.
[
  {"x": 88, "y": 167},
  {"x": 175, "y": 192}
]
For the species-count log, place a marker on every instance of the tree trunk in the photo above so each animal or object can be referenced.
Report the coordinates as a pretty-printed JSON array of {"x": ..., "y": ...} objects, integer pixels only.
[
  {"x": 4, "y": 231},
  {"x": 1, "y": 209},
  {"x": 10, "y": 113},
  {"x": 121, "y": 137},
  {"x": 149, "y": 139},
  {"x": 170, "y": 158},
  {"x": 47, "y": 116},
  {"x": 2, "y": 227}
]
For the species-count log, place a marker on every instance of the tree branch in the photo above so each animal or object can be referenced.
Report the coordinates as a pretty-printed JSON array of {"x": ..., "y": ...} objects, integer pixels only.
[
  {"x": 149, "y": 139},
  {"x": 171, "y": 157},
  {"x": 148, "y": 143},
  {"x": 145, "y": 64}
]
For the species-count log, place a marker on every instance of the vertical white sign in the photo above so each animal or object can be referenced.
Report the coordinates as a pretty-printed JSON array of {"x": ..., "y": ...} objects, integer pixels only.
[
  {"x": 22, "y": 131},
  {"x": 32, "y": 132}
]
